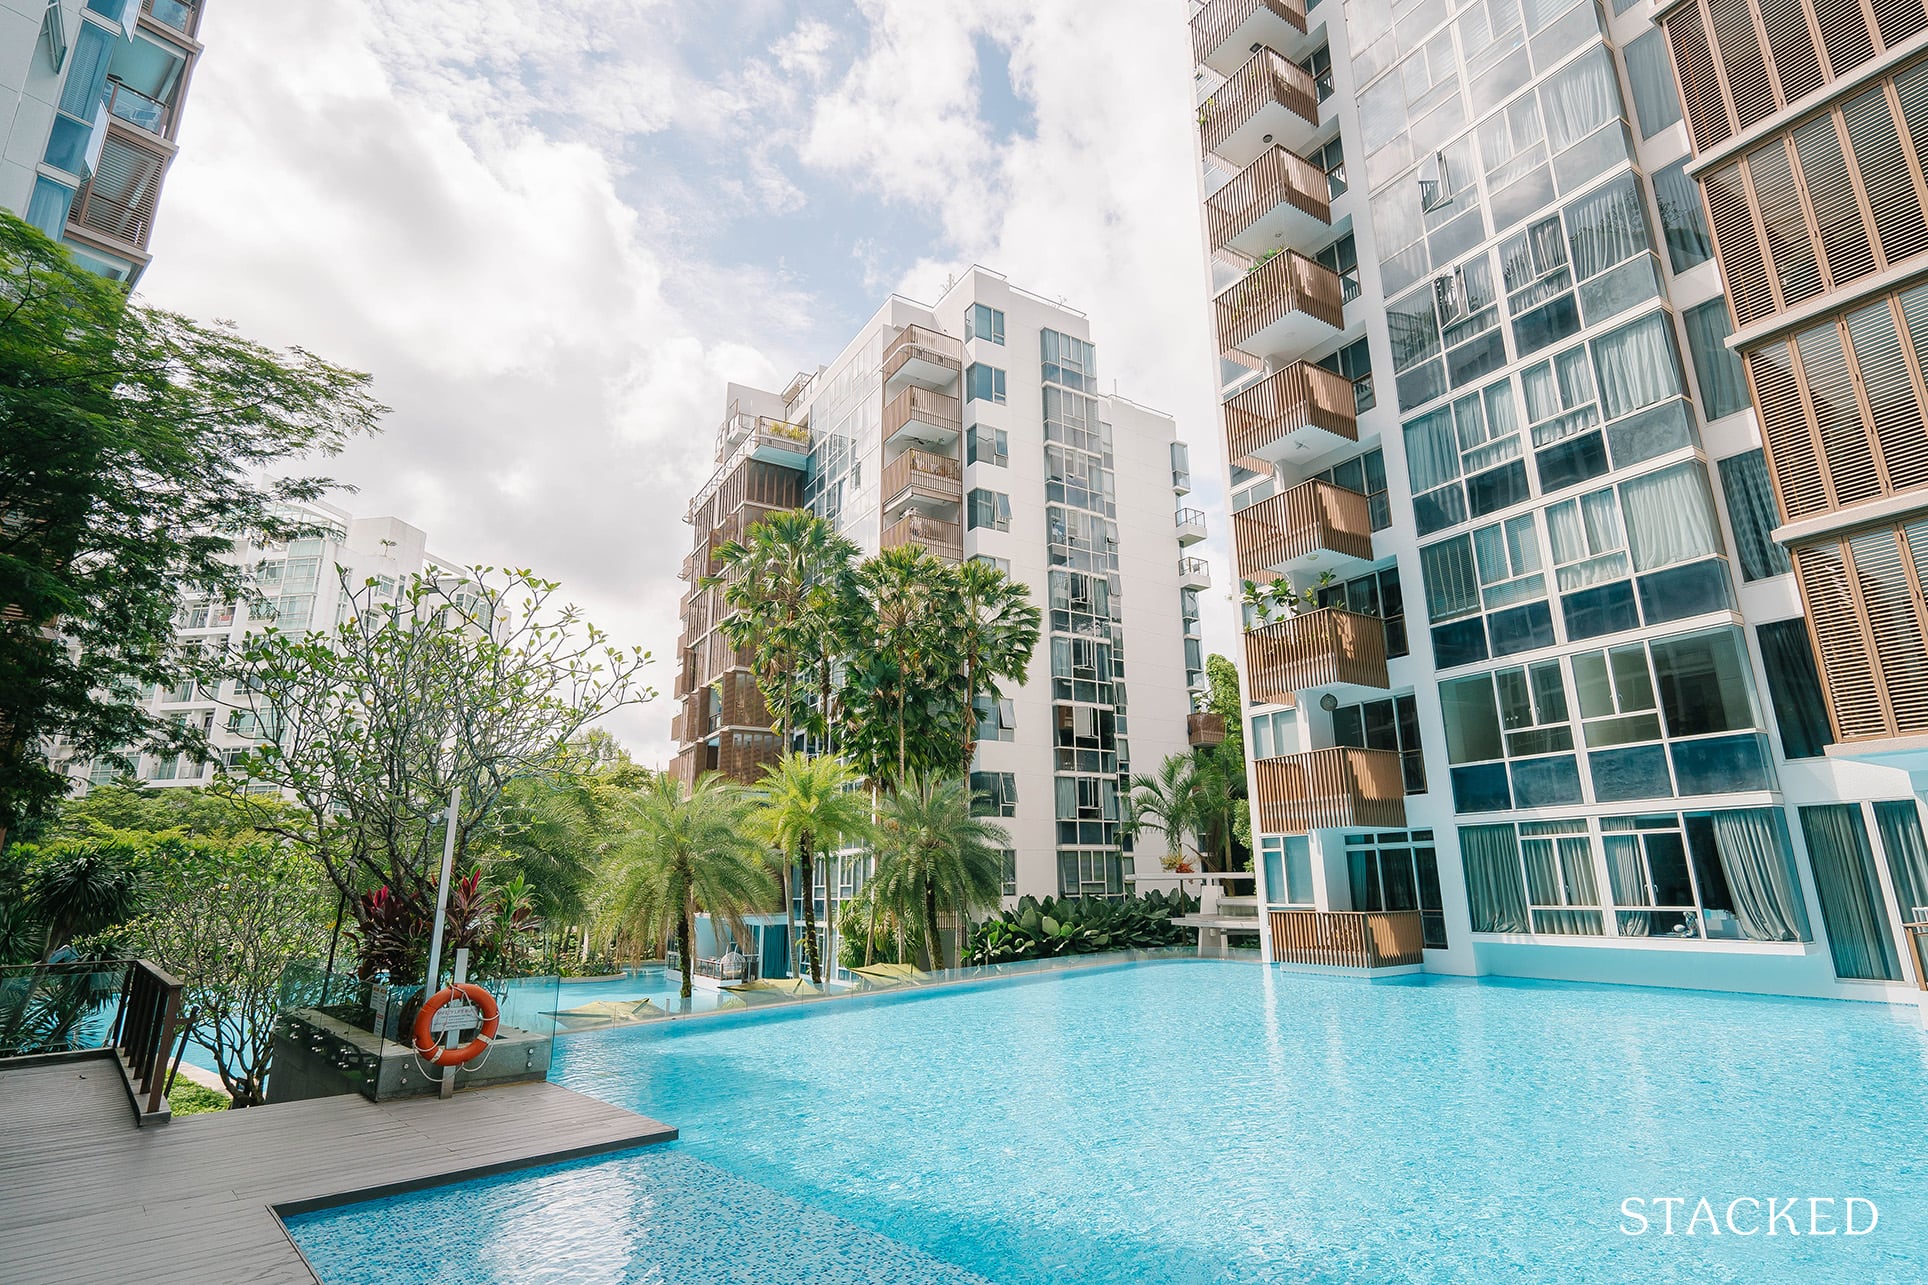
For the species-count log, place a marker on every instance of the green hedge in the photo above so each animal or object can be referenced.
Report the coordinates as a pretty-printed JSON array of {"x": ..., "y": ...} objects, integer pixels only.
[{"x": 1080, "y": 926}]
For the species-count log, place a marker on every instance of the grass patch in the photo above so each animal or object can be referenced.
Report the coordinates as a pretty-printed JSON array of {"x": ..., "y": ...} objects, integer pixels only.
[{"x": 189, "y": 1098}]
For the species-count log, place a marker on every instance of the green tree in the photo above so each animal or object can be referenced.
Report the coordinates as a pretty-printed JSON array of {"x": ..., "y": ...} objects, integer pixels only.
[
  {"x": 477, "y": 681},
  {"x": 134, "y": 447},
  {"x": 1224, "y": 814},
  {"x": 228, "y": 919},
  {"x": 997, "y": 633},
  {"x": 811, "y": 806},
  {"x": 1165, "y": 803},
  {"x": 934, "y": 855},
  {"x": 903, "y": 677},
  {"x": 686, "y": 853},
  {"x": 189, "y": 812}
]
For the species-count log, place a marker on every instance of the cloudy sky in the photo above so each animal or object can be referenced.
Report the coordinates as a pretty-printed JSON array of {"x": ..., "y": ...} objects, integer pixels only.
[{"x": 553, "y": 229}]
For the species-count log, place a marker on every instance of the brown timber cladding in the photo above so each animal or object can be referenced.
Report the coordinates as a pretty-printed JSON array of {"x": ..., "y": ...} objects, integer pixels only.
[
  {"x": 1329, "y": 788},
  {"x": 1841, "y": 406},
  {"x": 1213, "y": 25},
  {"x": 1276, "y": 178},
  {"x": 1300, "y": 396},
  {"x": 1286, "y": 282},
  {"x": 1836, "y": 198},
  {"x": 1316, "y": 649},
  {"x": 1740, "y": 61},
  {"x": 1309, "y": 518},
  {"x": 1869, "y": 619},
  {"x": 1348, "y": 938},
  {"x": 1267, "y": 77}
]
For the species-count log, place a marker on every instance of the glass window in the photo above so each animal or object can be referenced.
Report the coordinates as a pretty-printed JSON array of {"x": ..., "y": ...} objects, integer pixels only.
[
  {"x": 1723, "y": 385},
  {"x": 1377, "y": 593},
  {"x": 988, "y": 446},
  {"x": 1683, "y": 218},
  {"x": 1669, "y": 516},
  {"x": 1508, "y": 556},
  {"x": 1452, "y": 579},
  {"x": 1636, "y": 365},
  {"x": 1702, "y": 682},
  {"x": 1365, "y": 474},
  {"x": 1650, "y": 74},
  {"x": 1558, "y": 857},
  {"x": 994, "y": 794},
  {"x": 1288, "y": 869},
  {"x": 1794, "y": 688},
  {"x": 984, "y": 323},
  {"x": 1588, "y": 542},
  {"x": 989, "y": 509},
  {"x": 1385, "y": 725},
  {"x": 983, "y": 383},
  {"x": 1752, "y": 514}
]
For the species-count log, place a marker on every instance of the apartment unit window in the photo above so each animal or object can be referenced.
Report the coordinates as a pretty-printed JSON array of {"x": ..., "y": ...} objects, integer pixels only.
[
  {"x": 1085, "y": 739},
  {"x": 1604, "y": 230},
  {"x": 1852, "y": 907},
  {"x": 1514, "y": 723},
  {"x": 1273, "y": 734},
  {"x": 1354, "y": 361},
  {"x": 1009, "y": 858},
  {"x": 1288, "y": 869},
  {"x": 1079, "y": 479},
  {"x": 1086, "y": 873},
  {"x": 1088, "y": 810},
  {"x": 1081, "y": 604},
  {"x": 1385, "y": 725},
  {"x": 1085, "y": 541},
  {"x": 1069, "y": 361},
  {"x": 1477, "y": 437},
  {"x": 1082, "y": 669},
  {"x": 1331, "y": 158},
  {"x": 994, "y": 794},
  {"x": 1002, "y": 564},
  {"x": 109, "y": 768},
  {"x": 1377, "y": 593},
  {"x": 1794, "y": 688},
  {"x": 1683, "y": 218},
  {"x": 1723, "y": 384},
  {"x": 1072, "y": 420},
  {"x": 1753, "y": 513},
  {"x": 1398, "y": 870},
  {"x": 983, "y": 383},
  {"x": 1366, "y": 474},
  {"x": 988, "y": 509},
  {"x": 987, "y": 446},
  {"x": 984, "y": 323},
  {"x": 1342, "y": 256},
  {"x": 996, "y": 718},
  {"x": 1650, "y": 73}
]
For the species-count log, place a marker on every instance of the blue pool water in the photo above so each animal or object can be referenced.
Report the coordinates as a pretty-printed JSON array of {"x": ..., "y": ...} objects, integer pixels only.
[{"x": 1206, "y": 1121}]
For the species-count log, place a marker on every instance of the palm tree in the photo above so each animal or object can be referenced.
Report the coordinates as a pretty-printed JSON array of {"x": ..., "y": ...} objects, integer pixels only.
[
  {"x": 934, "y": 855},
  {"x": 998, "y": 632},
  {"x": 1166, "y": 802},
  {"x": 809, "y": 805},
  {"x": 685, "y": 853},
  {"x": 904, "y": 667}
]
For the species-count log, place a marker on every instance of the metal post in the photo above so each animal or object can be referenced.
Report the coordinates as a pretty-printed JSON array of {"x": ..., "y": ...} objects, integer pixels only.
[
  {"x": 461, "y": 975},
  {"x": 442, "y": 894}
]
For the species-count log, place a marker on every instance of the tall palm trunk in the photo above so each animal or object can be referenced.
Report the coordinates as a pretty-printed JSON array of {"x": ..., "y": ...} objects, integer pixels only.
[
  {"x": 933, "y": 951},
  {"x": 807, "y": 859},
  {"x": 683, "y": 940}
]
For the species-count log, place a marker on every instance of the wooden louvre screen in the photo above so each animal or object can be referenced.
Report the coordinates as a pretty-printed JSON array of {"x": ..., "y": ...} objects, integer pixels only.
[
  {"x": 119, "y": 199},
  {"x": 1330, "y": 788},
  {"x": 1287, "y": 282},
  {"x": 1737, "y": 242},
  {"x": 1300, "y": 396},
  {"x": 1708, "y": 118},
  {"x": 1278, "y": 177},
  {"x": 1305, "y": 519},
  {"x": 1863, "y": 598},
  {"x": 1315, "y": 649},
  {"x": 1267, "y": 77},
  {"x": 1348, "y": 938},
  {"x": 1791, "y": 47},
  {"x": 1738, "y": 41},
  {"x": 1216, "y": 23}
]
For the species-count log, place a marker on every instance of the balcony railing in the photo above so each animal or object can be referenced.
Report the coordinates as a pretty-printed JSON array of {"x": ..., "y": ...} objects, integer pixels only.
[
  {"x": 729, "y": 968},
  {"x": 1205, "y": 729},
  {"x": 1311, "y": 524},
  {"x": 1330, "y": 647},
  {"x": 183, "y": 16},
  {"x": 1224, "y": 30},
  {"x": 1250, "y": 213},
  {"x": 945, "y": 539},
  {"x": 1270, "y": 94},
  {"x": 1348, "y": 938},
  {"x": 1330, "y": 788},
  {"x": 136, "y": 108},
  {"x": 1282, "y": 304},
  {"x": 918, "y": 414},
  {"x": 920, "y": 474},
  {"x": 1194, "y": 573},
  {"x": 1190, "y": 525},
  {"x": 1277, "y": 415},
  {"x": 922, "y": 356},
  {"x": 118, "y": 201}
]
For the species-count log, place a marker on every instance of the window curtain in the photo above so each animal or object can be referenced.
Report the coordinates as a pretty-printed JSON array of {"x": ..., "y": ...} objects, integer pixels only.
[
  {"x": 1753, "y": 513},
  {"x": 1587, "y": 540},
  {"x": 1794, "y": 686},
  {"x": 1359, "y": 872},
  {"x": 1580, "y": 99},
  {"x": 1723, "y": 384},
  {"x": 1432, "y": 451},
  {"x": 1753, "y": 848},
  {"x": 1629, "y": 878},
  {"x": 1683, "y": 219},
  {"x": 1650, "y": 74},
  {"x": 1491, "y": 856},
  {"x": 1452, "y": 582},
  {"x": 1606, "y": 228},
  {"x": 1670, "y": 517},
  {"x": 1637, "y": 366},
  {"x": 1844, "y": 875},
  {"x": 1542, "y": 393},
  {"x": 1559, "y": 872},
  {"x": 1901, "y": 839}
]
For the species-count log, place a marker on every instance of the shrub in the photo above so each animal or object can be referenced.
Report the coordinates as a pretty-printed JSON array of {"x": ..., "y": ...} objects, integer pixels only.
[{"x": 1079, "y": 926}]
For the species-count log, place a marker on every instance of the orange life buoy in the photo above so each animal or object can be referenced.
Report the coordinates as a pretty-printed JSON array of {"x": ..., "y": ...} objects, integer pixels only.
[{"x": 426, "y": 1045}]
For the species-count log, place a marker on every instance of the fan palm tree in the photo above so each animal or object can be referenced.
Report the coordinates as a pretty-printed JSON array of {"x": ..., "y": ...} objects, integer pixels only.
[
  {"x": 810, "y": 806},
  {"x": 904, "y": 669},
  {"x": 998, "y": 631},
  {"x": 685, "y": 853},
  {"x": 934, "y": 855},
  {"x": 1165, "y": 802}
]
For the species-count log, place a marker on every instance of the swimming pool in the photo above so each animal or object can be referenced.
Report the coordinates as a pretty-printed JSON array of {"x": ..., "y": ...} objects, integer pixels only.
[{"x": 1208, "y": 1121}]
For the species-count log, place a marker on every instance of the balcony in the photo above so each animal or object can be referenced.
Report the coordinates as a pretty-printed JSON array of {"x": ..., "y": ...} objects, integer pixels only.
[
  {"x": 945, "y": 539},
  {"x": 1348, "y": 938},
  {"x": 1301, "y": 412},
  {"x": 1330, "y": 788},
  {"x": 1330, "y": 647},
  {"x": 1280, "y": 309},
  {"x": 933, "y": 483},
  {"x": 1313, "y": 527},
  {"x": 919, "y": 417},
  {"x": 1205, "y": 729},
  {"x": 128, "y": 104},
  {"x": 1279, "y": 201},
  {"x": 183, "y": 16},
  {"x": 1226, "y": 31},
  {"x": 1270, "y": 99},
  {"x": 922, "y": 358},
  {"x": 118, "y": 202},
  {"x": 1190, "y": 526},
  {"x": 1194, "y": 573}
]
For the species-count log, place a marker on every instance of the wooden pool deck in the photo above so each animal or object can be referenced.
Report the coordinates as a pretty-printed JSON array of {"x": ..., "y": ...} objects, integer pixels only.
[{"x": 87, "y": 1195}]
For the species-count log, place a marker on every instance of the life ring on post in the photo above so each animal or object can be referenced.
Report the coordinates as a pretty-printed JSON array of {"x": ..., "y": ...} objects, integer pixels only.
[{"x": 431, "y": 1050}]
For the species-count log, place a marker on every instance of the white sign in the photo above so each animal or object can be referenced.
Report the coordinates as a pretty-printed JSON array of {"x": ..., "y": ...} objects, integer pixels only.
[{"x": 455, "y": 1017}]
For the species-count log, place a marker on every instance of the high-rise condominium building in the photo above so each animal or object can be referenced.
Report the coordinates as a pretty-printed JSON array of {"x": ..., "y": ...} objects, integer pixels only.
[
  {"x": 976, "y": 428},
  {"x": 297, "y": 587},
  {"x": 90, "y": 102},
  {"x": 1543, "y": 698}
]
